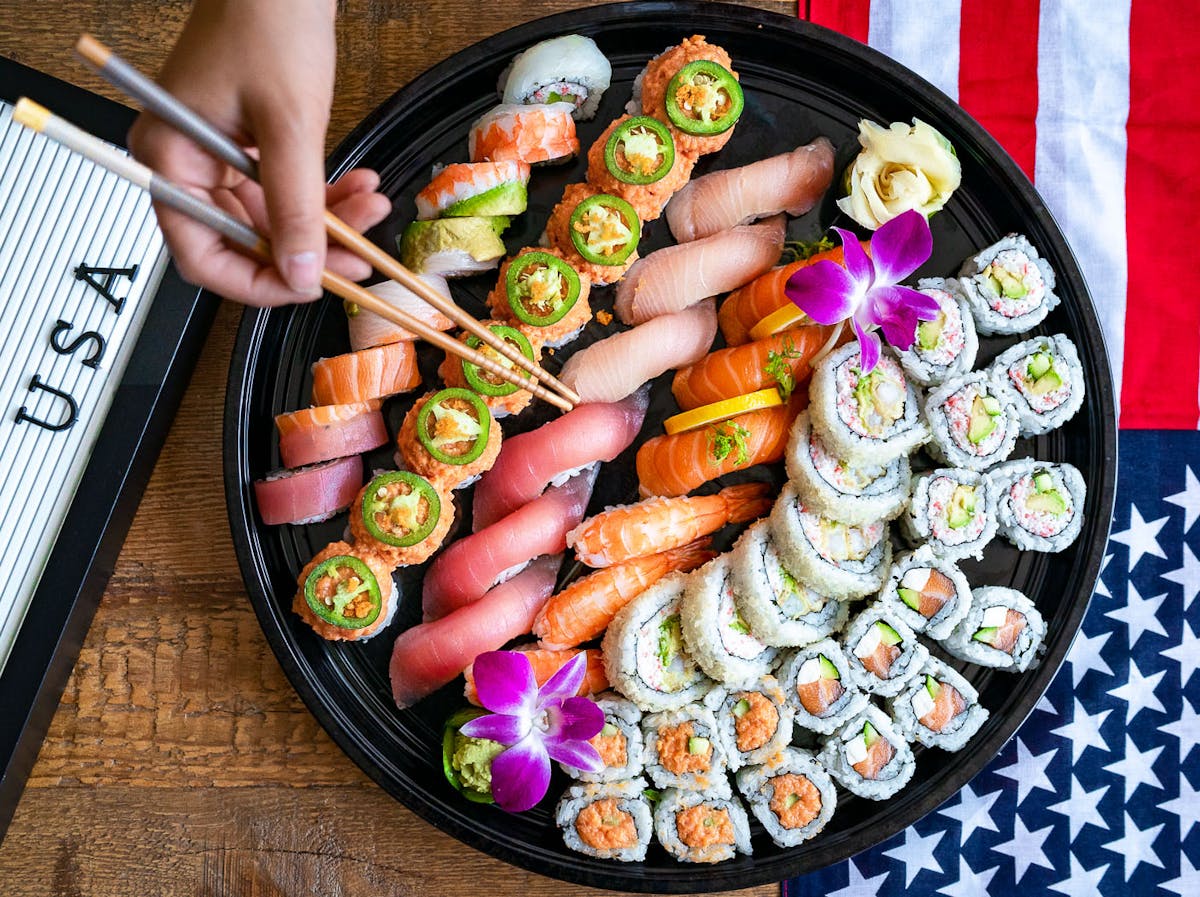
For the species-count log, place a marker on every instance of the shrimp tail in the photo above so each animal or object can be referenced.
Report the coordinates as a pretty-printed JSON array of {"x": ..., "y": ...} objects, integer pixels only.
[
  {"x": 746, "y": 501},
  {"x": 690, "y": 556}
]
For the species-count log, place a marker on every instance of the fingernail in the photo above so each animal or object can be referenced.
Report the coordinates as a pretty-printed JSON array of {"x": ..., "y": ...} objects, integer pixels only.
[{"x": 301, "y": 272}]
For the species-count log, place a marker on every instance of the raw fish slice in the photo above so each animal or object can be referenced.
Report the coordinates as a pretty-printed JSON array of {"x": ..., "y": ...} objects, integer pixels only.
[
  {"x": 374, "y": 373},
  {"x": 429, "y": 655},
  {"x": 674, "y": 278},
  {"x": 368, "y": 329},
  {"x": 531, "y": 461},
  {"x": 614, "y": 367},
  {"x": 470, "y": 567},
  {"x": 308, "y": 494},
  {"x": 325, "y": 432},
  {"x": 546, "y": 663},
  {"x": 792, "y": 182}
]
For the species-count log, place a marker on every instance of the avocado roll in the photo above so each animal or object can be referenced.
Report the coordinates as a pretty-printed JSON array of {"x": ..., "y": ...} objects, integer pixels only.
[
  {"x": 1040, "y": 505},
  {"x": 882, "y": 651},
  {"x": 1003, "y": 630},
  {"x": 779, "y": 609},
  {"x": 683, "y": 750},
  {"x": 619, "y": 743},
  {"x": 946, "y": 346},
  {"x": 701, "y": 828},
  {"x": 715, "y": 633},
  {"x": 819, "y": 686},
  {"x": 1046, "y": 378},
  {"x": 938, "y": 708},
  {"x": 954, "y": 510},
  {"x": 974, "y": 421},
  {"x": 753, "y": 723},
  {"x": 610, "y": 820},
  {"x": 791, "y": 795},
  {"x": 927, "y": 592},
  {"x": 869, "y": 756},
  {"x": 838, "y": 489},
  {"x": 453, "y": 247},
  {"x": 1009, "y": 287}
]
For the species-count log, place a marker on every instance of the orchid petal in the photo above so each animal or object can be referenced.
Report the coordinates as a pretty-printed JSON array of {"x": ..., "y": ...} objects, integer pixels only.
[
  {"x": 858, "y": 263},
  {"x": 868, "y": 346},
  {"x": 900, "y": 246},
  {"x": 497, "y": 727},
  {"x": 565, "y": 682},
  {"x": 521, "y": 775},
  {"x": 576, "y": 719},
  {"x": 897, "y": 310},
  {"x": 505, "y": 684},
  {"x": 578, "y": 754},
  {"x": 825, "y": 292}
]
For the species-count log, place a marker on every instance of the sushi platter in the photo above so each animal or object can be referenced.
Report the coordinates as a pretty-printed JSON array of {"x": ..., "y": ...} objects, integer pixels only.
[{"x": 893, "y": 663}]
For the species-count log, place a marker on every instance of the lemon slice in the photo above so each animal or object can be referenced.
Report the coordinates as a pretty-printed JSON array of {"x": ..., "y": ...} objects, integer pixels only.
[
  {"x": 783, "y": 318},
  {"x": 722, "y": 410}
]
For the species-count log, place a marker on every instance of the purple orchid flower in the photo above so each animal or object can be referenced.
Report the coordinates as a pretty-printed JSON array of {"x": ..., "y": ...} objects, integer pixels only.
[
  {"x": 867, "y": 290},
  {"x": 537, "y": 724}
]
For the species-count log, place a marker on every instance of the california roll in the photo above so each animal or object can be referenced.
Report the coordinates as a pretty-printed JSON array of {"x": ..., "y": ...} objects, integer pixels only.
[
  {"x": 954, "y": 510},
  {"x": 1046, "y": 377},
  {"x": 974, "y": 421},
  {"x": 1040, "y": 505},
  {"x": 945, "y": 346},
  {"x": 715, "y": 633},
  {"x": 1009, "y": 286}
]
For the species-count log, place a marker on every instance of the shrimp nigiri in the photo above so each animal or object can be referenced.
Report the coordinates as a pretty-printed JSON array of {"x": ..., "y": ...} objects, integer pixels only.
[
  {"x": 584, "y": 609},
  {"x": 660, "y": 524},
  {"x": 532, "y": 134},
  {"x": 546, "y": 663}
]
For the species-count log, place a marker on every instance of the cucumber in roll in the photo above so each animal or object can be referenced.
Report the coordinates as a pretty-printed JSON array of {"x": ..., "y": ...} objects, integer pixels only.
[
  {"x": 1039, "y": 505},
  {"x": 938, "y": 708},
  {"x": 1046, "y": 378}
]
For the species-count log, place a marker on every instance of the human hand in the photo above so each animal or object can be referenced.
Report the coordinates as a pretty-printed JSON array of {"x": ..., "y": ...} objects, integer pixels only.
[{"x": 262, "y": 71}]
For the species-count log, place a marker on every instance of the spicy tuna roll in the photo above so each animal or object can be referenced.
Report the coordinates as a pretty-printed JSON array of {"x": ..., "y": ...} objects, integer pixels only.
[
  {"x": 954, "y": 510},
  {"x": 1009, "y": 286},
  {"x": 974, "y": 420},
  {"x": 619, "y": 742},
  {"x": 945, "y": 346},
  {"x": 1039, "y": 505},
  {"x": 1046, "y": 377},
  {"x": 1002, "y": 630},
  {"x": 753, "y": 723},
  {"x": 819, "y": 686},
  {"x": 791, "y": 795},
  {"x": 939, "y": 708},
  {"x": 612, "y": 820},
  {"x": 715, "y": 634},
  {"x": 701, "y": 828},
  {"x": 869, "y": 756},
  {"x": 882, "y": 651},
  {"x": 683, "y": 749},
  {"x": 929, "y": 593}
]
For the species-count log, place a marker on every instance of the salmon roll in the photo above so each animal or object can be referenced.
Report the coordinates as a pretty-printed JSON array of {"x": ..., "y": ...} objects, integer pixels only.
[
  {"x": 609, "y": 820},
  {"x": 1039, "y": 505},
  {"x": 1010, "y": 287},
  {"x": 974, "y": 421},
  {"x": 596, "y": 232},
  {"x": 927, "y": 592},
  {"x": 779, "y": 609},
  {"x": 619, "y": 743},
  {"x": 791, "y": 795},
  {"x": 374, "y": 373},
  {"x": 449, "y": 438},
  {"x": 753, "y": 723},
  {"x": 402, "y": 517},
  {"x": 683, "y": 750},
  {"x": 818, "y": 684},
  {"x": 501, "y": 397},
  {"x": 346, "y": 593},
  {"x": 702, "y": 828},
  {"x": 463, "y": 189},
  {"x": 635, "y": 159},
  {"x": 1003, "y": 630},
  {"x": 882, "y": 651},
  {"x": 946, "y": 346},
  {"x": 954, "y": 511},
  {"x": 543, "y": 296},
  {"x": 1046, "y": 378},
  {"x": 720, "y": 639},
  {"x": 939, "y": 708},
  {"x": 869, "y": 756},
  {"x": 536, "y": 134}
]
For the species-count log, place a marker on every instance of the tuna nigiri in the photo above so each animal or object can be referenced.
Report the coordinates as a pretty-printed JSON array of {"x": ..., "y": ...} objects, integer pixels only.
[
  {"x": 614, "y": 367},
  {"x": 531, "y": 461},
  {"x": 532, "y": 134},
  {"x": 429, "y": 655},
  {"x": 467, "y": 569},
  {"x": 791, "y": 182},
  {"x": 369, "y": 374},
  {"x": 674, "y": 278},
  {"x": 312, "y": 435},
  {"x": 546, "y": 663},
  {"x": 368, "y": 329}
]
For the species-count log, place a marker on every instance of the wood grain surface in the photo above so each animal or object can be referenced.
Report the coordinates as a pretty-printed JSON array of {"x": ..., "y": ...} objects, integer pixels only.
[{"x": 180, "y": 760}]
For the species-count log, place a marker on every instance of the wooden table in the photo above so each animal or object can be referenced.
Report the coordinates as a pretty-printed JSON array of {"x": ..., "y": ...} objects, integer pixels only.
[{"x": 180, "y": 761}]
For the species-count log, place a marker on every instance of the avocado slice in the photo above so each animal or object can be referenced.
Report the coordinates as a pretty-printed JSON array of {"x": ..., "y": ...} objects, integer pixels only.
[
  {"x": 929, "y": 332},
  {"x": 870, "y": 736},
  {"x": 911, "y": 597},
  {"x": 1008, "y": 285},
  {"x": 791, "y": 800},
  {"x": 697, "y": 745},
  {"x": 982, "y": 422},
  {"x": 828, "y": 670},
  {"x": 670, "y": 639},
  {"x": 961, "y": 508},
  {"x": 932, "y": 686},
  {"x": 887, "y": 634},
  {"x": 1047, "y": 383},
  {"x": 1043, "y": 482},
  {"x": 986, "y": 635},
  {"x": 1049, "y": 502},
  {"x": 503, "y": 199}
]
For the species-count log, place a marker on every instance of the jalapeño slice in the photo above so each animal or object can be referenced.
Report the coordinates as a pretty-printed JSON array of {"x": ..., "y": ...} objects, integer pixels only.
[
  {"x": 640, "y": 151},
  {"x": 449, "y": 731},
  {"x": 704, "y": 98},
  {"x": 541, "y": 288},
  {"x": 454, "y": 418},
  {"x": 343, "y": 592},
  {"x": 605, "y": 229},
  {"x": 488, "y": 384},
  {"x": 392, "y": 506}
]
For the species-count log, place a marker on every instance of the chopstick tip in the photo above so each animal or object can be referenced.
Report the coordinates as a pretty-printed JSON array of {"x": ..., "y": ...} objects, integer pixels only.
[
  {"x": 92, "y": 50},
  {"x": 30, "y": 114}
]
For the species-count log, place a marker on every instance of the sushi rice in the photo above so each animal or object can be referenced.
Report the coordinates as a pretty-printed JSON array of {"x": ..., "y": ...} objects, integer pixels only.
[
  {"x": 914, "y": 708},
  {"x": 621, "y": 737},
  {"x": 849, "y": 747},
  {"x": 688, "y": 810},
  {"x": 924, "y": 578},
  {"x": 774, "y": 789},
  {"x": 753, "y": 723},
  {"x": 716, "y": 635},
  {"x": 586, "y": 804},
  {"x": 998, "y": 612},
  {"x": 954, "y": 510},
  {"x": 1039, "y": 505},
  {"x": 946, "y": 346},
  {"x": 1009, "y": 287},
  {"x": 1046, "y": 378},
  {"x": 682, "y": 749},
  {"x": 869, "y": 640},
  {"x": 801, "y": 675},
  {"x": 974, "y": 421}
]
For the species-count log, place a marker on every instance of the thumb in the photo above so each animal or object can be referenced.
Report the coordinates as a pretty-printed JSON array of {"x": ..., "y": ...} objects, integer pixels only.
[{"x": 292, "y": 172}]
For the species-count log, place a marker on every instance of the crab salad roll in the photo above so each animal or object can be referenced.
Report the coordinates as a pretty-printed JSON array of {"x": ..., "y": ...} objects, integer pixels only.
[
  {"x": 753, "y": 723},
  {"x": 954, "y": 510},
  {"x": 819, "y": 686},
  {"x": 449, "y": 437},
  {"x": 695, "y": 827},
  {"x": 883, "y": 652},
  {"x": 927, "y": 592},
  {"x": 683, "y": 750},
  {"x": 1046, "y": 377},
  {"x": 1009, "y": 286},
  {"x": 346, "y": 593},
  {"x": 619, "y": 743},
  {"x": 869, "y": 756},
  {"x": 791, "y": 795},
  {"x": 610, "y": 820},
  {"x": 974, "y": 420},
  {"x": 1003, "y": 630},
  {"x": 1039, "y": 505},
  {"x": 946, "y": 346},
  {"x": 715, "y": 634},
  {"x": 939, "y": 708}
]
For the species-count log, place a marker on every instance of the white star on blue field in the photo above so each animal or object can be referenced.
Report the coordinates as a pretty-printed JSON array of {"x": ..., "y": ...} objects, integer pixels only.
[{"x": 1098, "y": 793}]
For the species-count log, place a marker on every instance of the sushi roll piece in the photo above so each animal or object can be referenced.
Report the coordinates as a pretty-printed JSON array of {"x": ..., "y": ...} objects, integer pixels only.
[
  {"x": 974, "y": 421},
  {"x": 836, "y": 559},
  {"x": 946, "y": 346},
  {"x": 449, "y": 438},
  {"x": 464, "y": 189},
  {"x": 308, "y": 494},
  {"x": 1046, "y": 378},
  {"x": 791, "y": 795},
  {"x": 566, "y": 69},
  {"x": 543, "y": 296},
  {"x": 852, "y": 493},
  {"x": 954, "y": 510},
  {"x": 1003, "y": 630},
  {"x": 346, "y": 593},
  {"x": 882, "y": 651},
  {"x": 683, "y": 750},
  {"x": 1039, "y": 505},
  {"x": 635, "y": 159},
  {"x": 645, "y": 657},
  {"x": 865, "y": 419},
  {"x": 717, "y": 636},
  {"x": 368, "y": 374},
  {"x": 1009, "y": 287},
  {"x": 619, "y": 743},
  {"x": 869, "y": 756},
  {"x": 596, "y": 232},
  {"x": 502, "y": 397},
  {"x": 819, "y": 686},
  {"x": 368, "y": 329},
  {"x": 402, "y": 517},
  {"x": 702, "y": 828},
  {"x": 927, "y": 592},
  {"x": 326, "y": 432},
  {"x": 779, "y": 609},
  {"x": 753, "y": 723},
  {"x": 453, "y": 247},
  {"x": 610, "y": 820},
  {"x": 939, "y": 708},
  {"x": 541, "y": 134}
]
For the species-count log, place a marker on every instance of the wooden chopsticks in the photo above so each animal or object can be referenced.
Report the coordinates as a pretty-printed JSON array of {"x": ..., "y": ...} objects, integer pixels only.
[
  {"x": 218, "y": 144},
  {"x": 40, "y": 119}
]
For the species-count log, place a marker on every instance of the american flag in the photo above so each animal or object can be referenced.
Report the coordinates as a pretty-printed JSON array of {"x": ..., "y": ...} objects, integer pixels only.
[{"x": 1099, "y": 792}]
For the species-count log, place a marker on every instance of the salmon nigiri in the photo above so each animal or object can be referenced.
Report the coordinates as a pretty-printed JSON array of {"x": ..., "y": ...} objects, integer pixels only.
[
  {"x": 546, "y": 663},
  {"x": 373, "y": 373}
]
